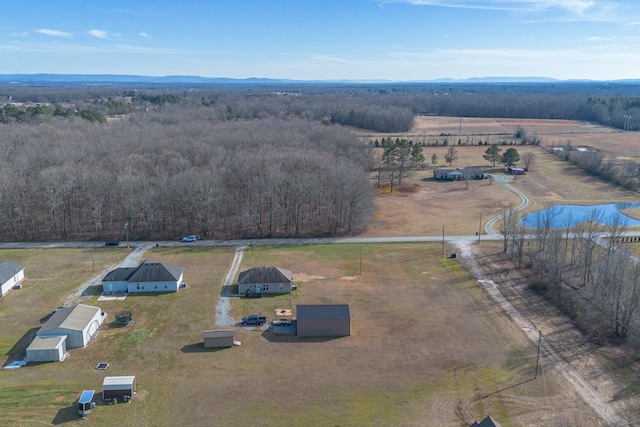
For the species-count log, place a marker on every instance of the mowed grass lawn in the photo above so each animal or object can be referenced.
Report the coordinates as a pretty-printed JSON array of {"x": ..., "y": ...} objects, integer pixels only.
[{"x": 427, "y": 348}]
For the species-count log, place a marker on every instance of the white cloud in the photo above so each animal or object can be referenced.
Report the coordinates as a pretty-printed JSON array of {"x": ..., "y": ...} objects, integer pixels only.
[
  {"x": 145, "y": 35},
  {"x": 587, "y": 10},
  {"x": 54, "y": 33},
  {"x": 98, "y": 33},
  {"x": 600, "y": 39},
  {"x": 576, "y": 6}
]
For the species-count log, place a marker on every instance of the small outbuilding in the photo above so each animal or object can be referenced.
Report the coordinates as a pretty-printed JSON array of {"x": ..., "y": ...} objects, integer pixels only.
[
  {"x": 118, "y": 387},
  {"x": 218, "y": 338},
  {"x": 11, "y": 276},
  {"x": 323, "y": 320},
  {"x": 86, "y": 403},
  {"x": 265, "y": 280},
  {"x": 52, "y": 349},
  {"x": 79, "y": 323}
]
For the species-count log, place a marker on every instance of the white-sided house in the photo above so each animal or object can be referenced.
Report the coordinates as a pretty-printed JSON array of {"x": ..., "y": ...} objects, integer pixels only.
[
  {"x": 265, "y": 280},
  {"x": 11, "y": 275},
  {"x": 147, "y": 277},
  {"x": 49, "y": 349},
  {"x": 79, "y": 323}
]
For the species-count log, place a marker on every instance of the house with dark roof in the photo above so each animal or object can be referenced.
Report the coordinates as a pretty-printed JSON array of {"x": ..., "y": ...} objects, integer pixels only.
[
  {"x": 265, "y": 280},
  {"x": 457, "y": 174},
  {"x": 323, "y": 320},
  {"x": 11, "y": 276},
  {"x": 487, "y": 422},
  {"x": 145, "y": 278}
]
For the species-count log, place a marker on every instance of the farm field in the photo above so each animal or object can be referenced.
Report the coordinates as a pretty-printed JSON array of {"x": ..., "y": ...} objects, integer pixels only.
[
  {"x": 422, "y": 206},
  {"x": 427, "y": 348}
]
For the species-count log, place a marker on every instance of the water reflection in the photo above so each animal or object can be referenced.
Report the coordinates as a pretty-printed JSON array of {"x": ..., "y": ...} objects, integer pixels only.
[{"x": 564, "y": 216}]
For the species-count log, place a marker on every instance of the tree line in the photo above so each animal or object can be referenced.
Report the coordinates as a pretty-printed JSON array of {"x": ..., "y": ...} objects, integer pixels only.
[
  {"x": 175, "y": 171},
  {"x": 376, "y": 107},
  {"x": 591, "y": 278}
]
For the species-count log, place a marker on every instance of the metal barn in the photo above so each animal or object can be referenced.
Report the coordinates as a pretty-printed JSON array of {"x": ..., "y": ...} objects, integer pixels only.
[
  {"x": 118, "y": 387},
  {"x": 80, "y": 323},
  {"x": 323, "y": 320},
  {"x": 51, "y": 349},
  {"x": 218, "y": 338}
]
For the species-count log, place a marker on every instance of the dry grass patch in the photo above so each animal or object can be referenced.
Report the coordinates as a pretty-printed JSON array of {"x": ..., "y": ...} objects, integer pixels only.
[{"x": 424, "y": 350}]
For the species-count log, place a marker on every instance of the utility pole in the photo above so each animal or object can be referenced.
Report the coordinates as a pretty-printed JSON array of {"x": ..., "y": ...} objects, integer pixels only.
[
  {"x": 538, "y": 356},
  {"x": 480, "y": 228},
  {"x": 360, "y": 259},
  {"x": 126, "y": 232},
  {"x": 93, "y": 261},
  {"x": 443, "y": 240}
]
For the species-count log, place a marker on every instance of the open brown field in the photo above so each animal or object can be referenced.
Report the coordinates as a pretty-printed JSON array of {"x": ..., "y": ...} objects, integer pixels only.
[
  {"x": 427, "y": 348},
  {"x": 422, "y": 206}
]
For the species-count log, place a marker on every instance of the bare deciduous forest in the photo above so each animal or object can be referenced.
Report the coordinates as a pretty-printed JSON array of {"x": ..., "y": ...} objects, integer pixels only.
[{"x": 235, "y": 162}]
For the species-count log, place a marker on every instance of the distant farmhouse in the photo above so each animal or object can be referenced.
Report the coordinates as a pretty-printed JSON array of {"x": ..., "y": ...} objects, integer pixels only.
[
  {"x": 69, "y": 327},
  {"x": 457, "y": 174},
  {"x": 11, "y": 276},
  {"x": 265, "y": 280},
  {"x": 515, "y": 171},
  {"x": 145, "y": 278}
]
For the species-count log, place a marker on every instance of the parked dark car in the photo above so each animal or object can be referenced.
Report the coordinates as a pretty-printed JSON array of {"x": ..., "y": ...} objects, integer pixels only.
[{"x": 112, "y": 243}]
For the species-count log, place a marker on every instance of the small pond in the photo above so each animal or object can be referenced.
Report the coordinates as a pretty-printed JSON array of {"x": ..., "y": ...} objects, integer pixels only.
[{"x": 563, "y": 216}]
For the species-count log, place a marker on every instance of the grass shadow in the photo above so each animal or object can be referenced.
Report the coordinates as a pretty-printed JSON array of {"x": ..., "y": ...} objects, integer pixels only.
[
  {"x": 199, "y": 348},
  {"x": 66, "y": 415},
  {"x": 506, "y": 388},
  {"x": 92, "y": 291},
  {"x": 270, "y": 336},
  {"x": 19, "y": 349}
]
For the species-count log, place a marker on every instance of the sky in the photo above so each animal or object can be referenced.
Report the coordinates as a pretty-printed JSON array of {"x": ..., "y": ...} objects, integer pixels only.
[{"x": 363, "y": 40}]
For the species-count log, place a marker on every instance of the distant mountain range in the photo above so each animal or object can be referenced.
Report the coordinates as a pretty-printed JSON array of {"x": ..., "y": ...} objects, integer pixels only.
[{"x": 119, "y": 79}]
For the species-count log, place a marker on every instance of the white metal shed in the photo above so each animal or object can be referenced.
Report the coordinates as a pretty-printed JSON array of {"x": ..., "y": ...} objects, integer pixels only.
[{"x": 52, "y": 349}]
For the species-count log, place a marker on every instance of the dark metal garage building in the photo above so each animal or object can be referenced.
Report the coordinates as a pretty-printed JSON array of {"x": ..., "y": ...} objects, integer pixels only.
[
  {"x": 323, "y": 320},
  {"x": 218, "y": 338}
]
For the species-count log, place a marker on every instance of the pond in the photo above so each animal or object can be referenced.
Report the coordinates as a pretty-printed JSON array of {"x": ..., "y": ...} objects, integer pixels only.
[{"x": 563, "y": 216}]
